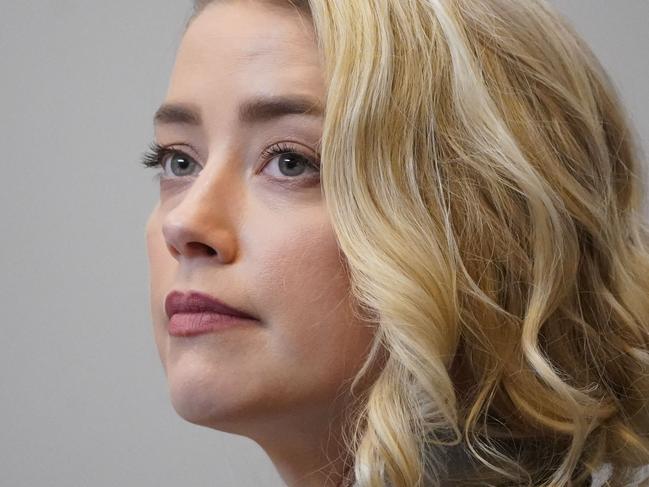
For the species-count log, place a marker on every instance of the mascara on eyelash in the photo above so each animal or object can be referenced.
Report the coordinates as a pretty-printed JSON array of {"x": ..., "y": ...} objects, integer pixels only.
[
  {"x": 279, "y": 149},
  {"x": 153, "y": 156}
]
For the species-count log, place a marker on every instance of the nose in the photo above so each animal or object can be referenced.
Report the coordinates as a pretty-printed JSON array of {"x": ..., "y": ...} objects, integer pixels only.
[{"x": 200, "y": 225}]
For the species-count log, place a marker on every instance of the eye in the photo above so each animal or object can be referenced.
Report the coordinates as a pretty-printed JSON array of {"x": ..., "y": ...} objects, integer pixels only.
[
  {"x": 291, "y": 162},
  {"x": 179, "y": 163},
  {"x": 169, "y": 159}
]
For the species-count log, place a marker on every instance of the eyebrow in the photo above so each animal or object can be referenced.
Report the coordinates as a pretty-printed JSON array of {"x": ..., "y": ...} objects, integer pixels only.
[{"x": 259, "y": 109}]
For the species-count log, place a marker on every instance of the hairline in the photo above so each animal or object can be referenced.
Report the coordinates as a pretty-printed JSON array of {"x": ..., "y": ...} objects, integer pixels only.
[{"x": 302, "y": 6}]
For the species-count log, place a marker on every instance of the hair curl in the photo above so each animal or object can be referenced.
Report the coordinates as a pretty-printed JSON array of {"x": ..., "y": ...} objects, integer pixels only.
[{"x": 486, "y": 192}]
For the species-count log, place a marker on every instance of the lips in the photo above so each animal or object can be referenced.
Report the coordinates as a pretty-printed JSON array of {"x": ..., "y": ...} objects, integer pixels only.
[{"x": 197, "y": 302}]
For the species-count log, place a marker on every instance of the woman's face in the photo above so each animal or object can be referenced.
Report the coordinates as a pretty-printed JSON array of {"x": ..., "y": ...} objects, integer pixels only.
[{"x": 250, "y": 227}]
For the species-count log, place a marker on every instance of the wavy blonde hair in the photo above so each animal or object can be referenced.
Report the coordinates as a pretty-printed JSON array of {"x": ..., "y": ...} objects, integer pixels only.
[{"x": 485, "y": 190}]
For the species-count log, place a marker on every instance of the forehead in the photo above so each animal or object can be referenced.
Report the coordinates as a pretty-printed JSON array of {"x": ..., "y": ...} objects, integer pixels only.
[{"x": 248, "y": 44}]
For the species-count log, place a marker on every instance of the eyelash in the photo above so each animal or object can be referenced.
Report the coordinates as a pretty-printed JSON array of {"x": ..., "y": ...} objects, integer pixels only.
[{"x": 156, "y": 153}]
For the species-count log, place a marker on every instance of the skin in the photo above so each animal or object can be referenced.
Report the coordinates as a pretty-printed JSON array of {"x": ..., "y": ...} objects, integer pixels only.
[{"x": 232, "y": 226}]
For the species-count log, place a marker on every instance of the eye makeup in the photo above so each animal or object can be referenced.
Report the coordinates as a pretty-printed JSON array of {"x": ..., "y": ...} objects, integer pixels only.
[{"x": 286, "y": 153}]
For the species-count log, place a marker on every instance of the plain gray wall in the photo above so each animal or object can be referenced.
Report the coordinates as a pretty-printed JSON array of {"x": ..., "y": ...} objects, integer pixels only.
[{"x": 83, "y": 399}]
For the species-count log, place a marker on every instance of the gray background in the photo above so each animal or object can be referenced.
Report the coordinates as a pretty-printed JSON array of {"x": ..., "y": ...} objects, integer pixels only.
[{"x": 83, "y": 399}]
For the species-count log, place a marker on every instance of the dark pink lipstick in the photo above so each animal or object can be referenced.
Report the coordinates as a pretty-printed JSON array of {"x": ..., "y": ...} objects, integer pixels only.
[{"x": 194, "y": 313}]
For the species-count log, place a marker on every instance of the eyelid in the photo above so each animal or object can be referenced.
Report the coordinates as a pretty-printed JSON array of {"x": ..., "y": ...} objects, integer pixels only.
[
  {"x": 268, "y": 154},
  {"x": 175, "y": 148},
  {"x": 284, "y": 147}
]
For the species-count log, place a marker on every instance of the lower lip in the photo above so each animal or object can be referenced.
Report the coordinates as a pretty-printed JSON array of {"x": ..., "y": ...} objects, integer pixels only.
[{"x": 192, "y": 324}]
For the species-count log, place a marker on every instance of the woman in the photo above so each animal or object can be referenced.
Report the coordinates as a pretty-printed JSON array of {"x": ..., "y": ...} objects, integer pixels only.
[{"x": 456, "y": 295}]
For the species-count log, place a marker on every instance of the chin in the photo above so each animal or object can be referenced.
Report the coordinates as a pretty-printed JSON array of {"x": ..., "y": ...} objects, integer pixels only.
[
  {"x": 193, "y": 394},
  {"x": 196, "y": 409},
  {"x": 200, "y": 396}
]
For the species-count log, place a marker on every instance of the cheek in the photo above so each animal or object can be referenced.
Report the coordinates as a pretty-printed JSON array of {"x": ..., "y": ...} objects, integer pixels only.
[
  {"x": 314, "y": 335},
  {"x": 158, "y": 259},
  {"x": 161, "y": 266}
]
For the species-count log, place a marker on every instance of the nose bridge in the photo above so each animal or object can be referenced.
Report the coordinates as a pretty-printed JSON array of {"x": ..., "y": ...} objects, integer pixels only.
[{"x": 204, "y": 220}]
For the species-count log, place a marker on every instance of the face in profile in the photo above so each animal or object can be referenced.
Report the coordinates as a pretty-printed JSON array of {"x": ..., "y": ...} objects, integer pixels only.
[{"x": 242, "y": 218}]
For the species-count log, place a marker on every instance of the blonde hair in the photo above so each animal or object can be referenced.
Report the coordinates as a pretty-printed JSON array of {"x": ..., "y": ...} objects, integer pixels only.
[{"x": 487, "y": 195}]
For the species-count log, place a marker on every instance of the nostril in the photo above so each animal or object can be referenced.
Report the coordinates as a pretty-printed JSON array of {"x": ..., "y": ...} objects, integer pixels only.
[{"x": 198, "y": 248}]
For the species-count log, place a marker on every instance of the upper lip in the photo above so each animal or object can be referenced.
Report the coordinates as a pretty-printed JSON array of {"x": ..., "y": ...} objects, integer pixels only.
[{"x": 197, "y": 302}]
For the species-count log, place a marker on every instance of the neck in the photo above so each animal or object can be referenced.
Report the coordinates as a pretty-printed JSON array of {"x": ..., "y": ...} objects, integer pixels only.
[{"x": 306, "y": 450}]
